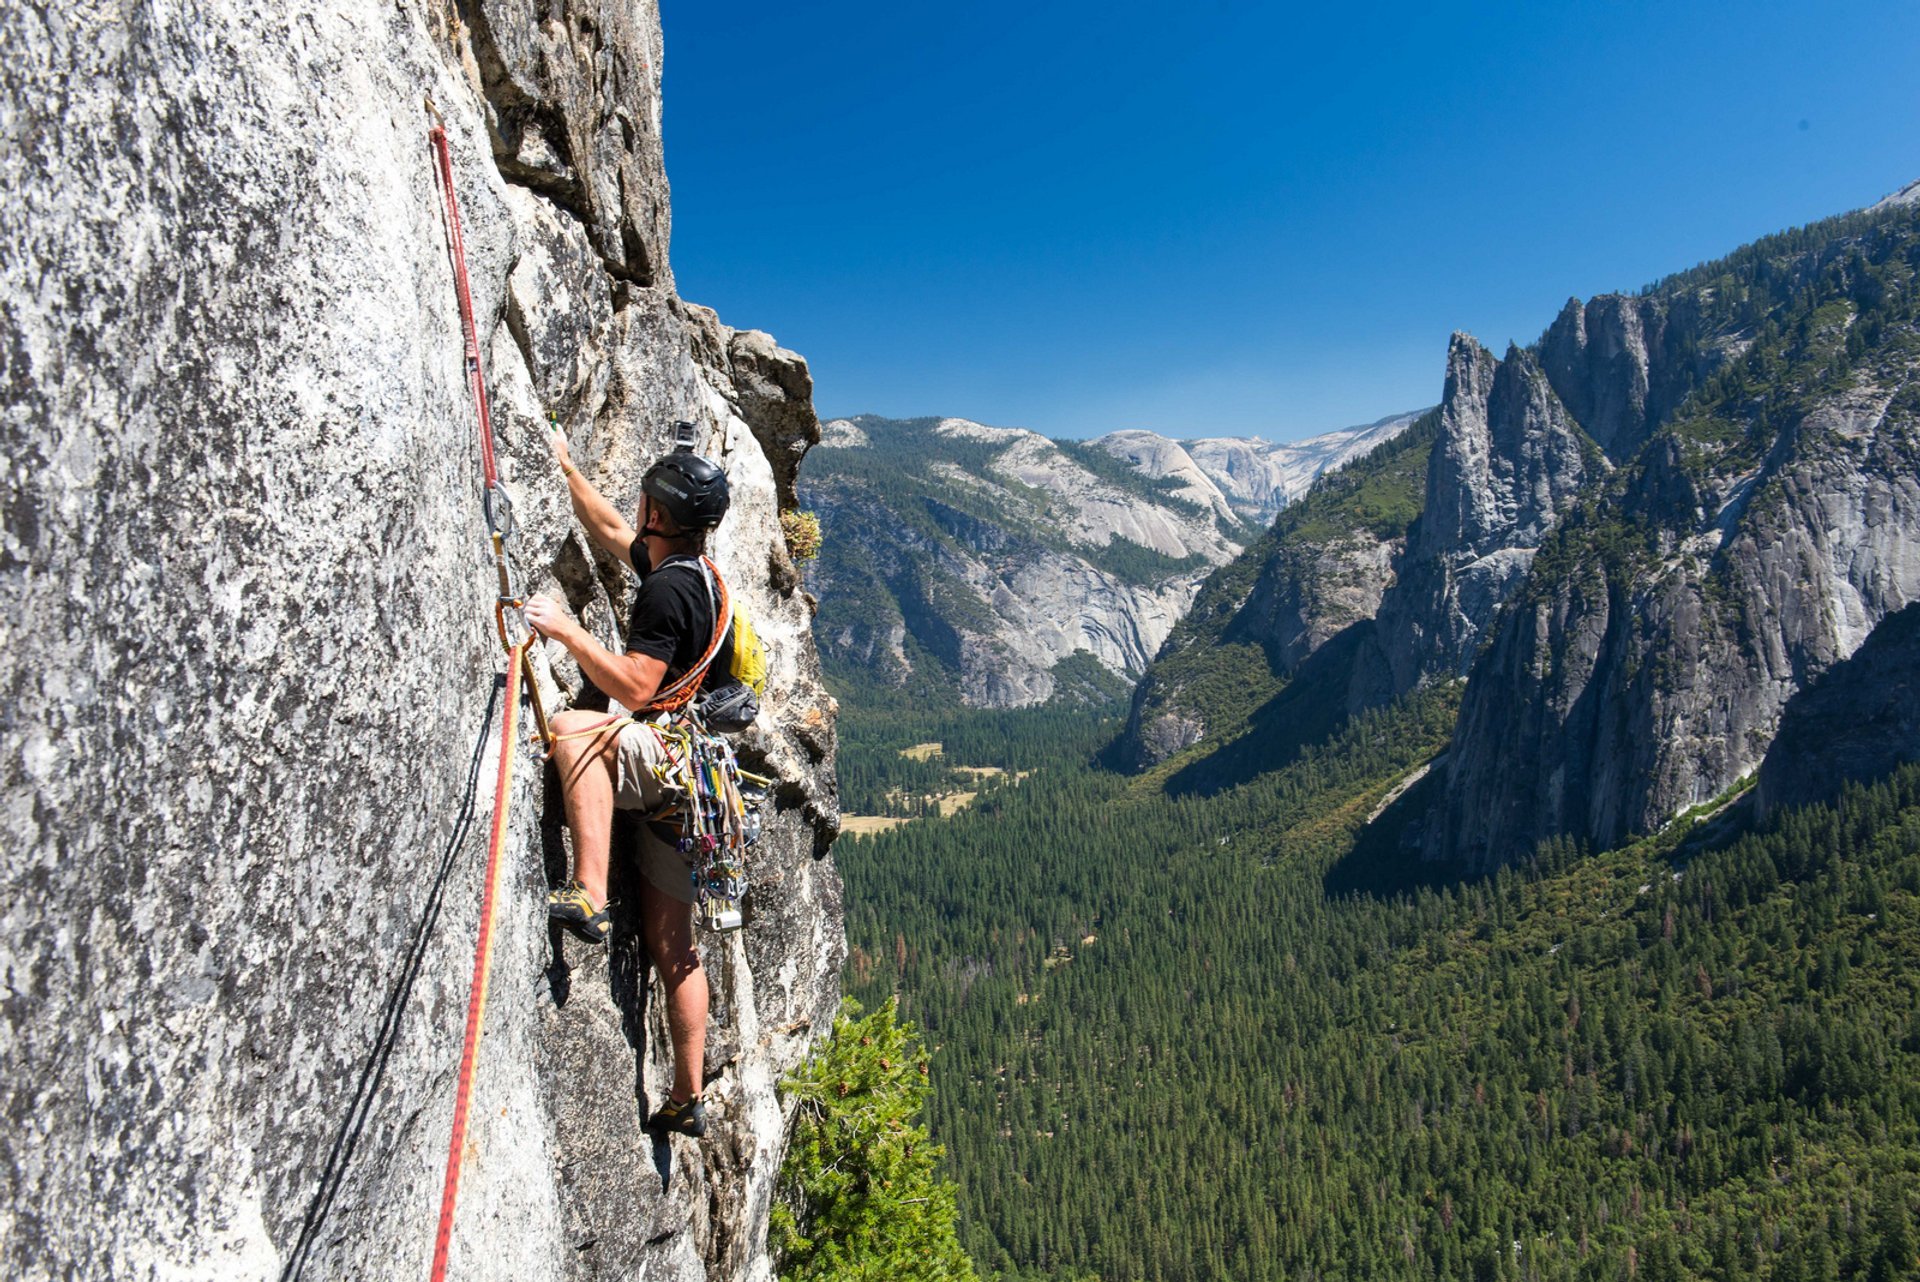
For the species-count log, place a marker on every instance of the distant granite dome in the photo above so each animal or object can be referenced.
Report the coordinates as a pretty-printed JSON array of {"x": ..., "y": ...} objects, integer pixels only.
[
  {"x": 1260, "y": 477},
  {"x": 983, "y": 558}
]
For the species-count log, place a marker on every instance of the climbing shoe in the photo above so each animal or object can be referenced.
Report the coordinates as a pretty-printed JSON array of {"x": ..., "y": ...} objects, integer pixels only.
[
  {"x": 675, "y": 1117},
  {"x": 570, "y": 907}
]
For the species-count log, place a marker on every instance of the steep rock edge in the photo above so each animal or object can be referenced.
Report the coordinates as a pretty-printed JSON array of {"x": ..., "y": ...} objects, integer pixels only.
[
  {"x": 1508, "y": 459},
  {"x": 252, "y": 665},
  {"x": 1756, "y": 540},
  {"x": 1652, "y": 669},
  {"x": 1858, "y": 721},
  {"x": 1734, "y": 524}
]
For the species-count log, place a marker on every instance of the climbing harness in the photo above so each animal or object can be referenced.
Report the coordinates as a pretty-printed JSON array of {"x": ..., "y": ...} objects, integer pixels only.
[{"x": 516, "y": 636}]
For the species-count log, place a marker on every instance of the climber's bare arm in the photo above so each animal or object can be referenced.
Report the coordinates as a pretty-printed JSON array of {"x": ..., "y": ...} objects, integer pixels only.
[
  {"x": 602, "y": 522},
  {"x": 632, "y": 678}
]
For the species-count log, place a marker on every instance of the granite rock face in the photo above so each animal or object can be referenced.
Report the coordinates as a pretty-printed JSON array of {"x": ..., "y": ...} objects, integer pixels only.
[
  {"x": 1615, "y": 698},
  {"x": 1654, "y": 544},
  {"x": 1858, "y": 721},
  {"x": 1508, "y": 460},
  {"x": 1303, "y": 596},
  {"x": 1163, "y": 459},
  {"x": 252, "y": 671},
  {"x": 1755, "y": 544},
  {"x": 999, "y": 554},
  {"x": 1319, "y": 575},
  {"x": 1621, "y": 365}
]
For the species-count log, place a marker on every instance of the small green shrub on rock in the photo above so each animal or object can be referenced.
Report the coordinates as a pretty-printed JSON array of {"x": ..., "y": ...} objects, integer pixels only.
[{"x": 802, "y": 531}]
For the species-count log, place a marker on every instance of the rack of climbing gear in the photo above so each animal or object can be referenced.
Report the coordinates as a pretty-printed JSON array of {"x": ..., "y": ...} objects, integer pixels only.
[
  {"x": 516, "y": 637},
  {"x": 716, "y": 813},
  {"x": 714, "y": 832}
]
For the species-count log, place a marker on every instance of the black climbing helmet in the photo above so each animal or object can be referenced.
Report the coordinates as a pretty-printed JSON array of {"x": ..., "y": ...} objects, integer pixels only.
[{"x": 690, "y": 487}]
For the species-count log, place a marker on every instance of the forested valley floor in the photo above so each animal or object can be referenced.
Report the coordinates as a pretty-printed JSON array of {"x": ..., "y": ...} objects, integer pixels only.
[{"x": 1187, "y": 1032}]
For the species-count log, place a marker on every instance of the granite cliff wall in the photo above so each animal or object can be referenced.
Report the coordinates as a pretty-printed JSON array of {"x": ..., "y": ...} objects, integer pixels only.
[
  {"x": 251, "y": 675},
  {"x": 1756, "y": 540},
  {"x": 1651, "y": 543}
]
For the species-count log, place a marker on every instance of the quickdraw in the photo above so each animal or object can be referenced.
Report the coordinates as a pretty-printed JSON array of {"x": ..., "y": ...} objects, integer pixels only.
[
  {"x": 495, "y": 503},
  {"x": 714, "y": 831}
]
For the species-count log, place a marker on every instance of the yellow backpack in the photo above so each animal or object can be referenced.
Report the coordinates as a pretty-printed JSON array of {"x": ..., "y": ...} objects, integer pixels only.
[{"x": 749, "y": 666}]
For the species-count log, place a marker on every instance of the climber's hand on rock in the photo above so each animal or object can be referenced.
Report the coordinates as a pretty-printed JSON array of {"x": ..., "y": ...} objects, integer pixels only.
[
  {"x": 557, "y": 442},
  {"x": 549, "y": 618}
]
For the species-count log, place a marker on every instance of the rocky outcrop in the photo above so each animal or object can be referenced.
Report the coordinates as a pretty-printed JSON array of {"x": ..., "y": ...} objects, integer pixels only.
[
  {"x": 1757, "y": 543},
  {"x": 1000, "y": 554},
  {"x": 1305, "y": 594},
  {"x": 1093, "y": 512},
  {"x": 1507, "y": 461},
  {"x": 1622, "y": 364},
  {"x": 1647, "y": 542},
  {"x": 1321, "y": 573},
  {"x": 1857, "y": 721},
  {"x": 252, "y": 673},
  {"x": 1907, "y": 196}
]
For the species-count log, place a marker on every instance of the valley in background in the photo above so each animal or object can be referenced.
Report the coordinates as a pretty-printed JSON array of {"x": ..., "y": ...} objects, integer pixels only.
[{"x": 1507, "y": 864}]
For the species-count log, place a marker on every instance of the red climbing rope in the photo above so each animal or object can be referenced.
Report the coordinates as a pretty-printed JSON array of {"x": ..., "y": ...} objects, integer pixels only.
[
  {"x": 443, "y": 157},
  {"x": 499, "y": 514},
  {"x": 482, "y": 963}
]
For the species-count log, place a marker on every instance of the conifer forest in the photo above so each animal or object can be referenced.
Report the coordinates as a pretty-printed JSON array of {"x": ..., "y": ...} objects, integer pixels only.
[{"x": 1175, "y": 1038}]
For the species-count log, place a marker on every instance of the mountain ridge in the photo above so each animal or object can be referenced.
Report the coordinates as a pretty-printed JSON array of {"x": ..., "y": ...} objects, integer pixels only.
[
  {"x": 974, "y": 560},
  {"x": 1746, "y": 423}
]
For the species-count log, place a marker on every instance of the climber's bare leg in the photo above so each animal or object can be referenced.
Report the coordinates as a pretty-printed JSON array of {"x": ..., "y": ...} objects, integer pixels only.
[
  {"x": 669, "y": 929},
  {"x": 587, "y": 780}
]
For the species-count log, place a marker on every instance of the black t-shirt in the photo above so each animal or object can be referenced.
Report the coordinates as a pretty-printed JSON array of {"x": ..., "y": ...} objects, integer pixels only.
[{"x": 672, "y": 617}]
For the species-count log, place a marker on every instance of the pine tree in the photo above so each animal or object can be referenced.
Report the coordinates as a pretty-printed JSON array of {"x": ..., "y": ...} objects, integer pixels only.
[{"x": 859, "y": 1198}]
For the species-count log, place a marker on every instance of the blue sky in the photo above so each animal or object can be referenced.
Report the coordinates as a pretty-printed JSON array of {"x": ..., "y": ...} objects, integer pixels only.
[{"x": 1237, "y": 218}]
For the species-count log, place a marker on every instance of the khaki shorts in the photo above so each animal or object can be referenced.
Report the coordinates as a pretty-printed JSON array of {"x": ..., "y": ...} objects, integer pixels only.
[{"x": 636, "y": 786}]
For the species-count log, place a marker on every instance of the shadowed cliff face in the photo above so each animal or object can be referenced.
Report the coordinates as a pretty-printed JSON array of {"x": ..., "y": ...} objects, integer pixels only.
[
  {"x": 252, "y": 670},
  {"x": 1317, "y": 575},
  {"x": 1858, "y": 721},
  {"x": 1419, "y": 591},
  {"x": 1621, "y": 365},
  {"x": 1634, "y": 683}
]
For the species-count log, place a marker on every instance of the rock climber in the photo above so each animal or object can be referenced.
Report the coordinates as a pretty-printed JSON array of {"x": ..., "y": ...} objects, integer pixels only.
[{"x": 670, "y": 628}]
